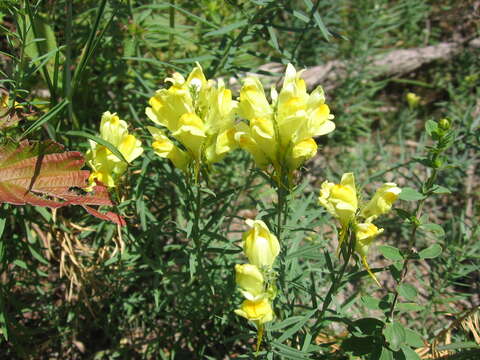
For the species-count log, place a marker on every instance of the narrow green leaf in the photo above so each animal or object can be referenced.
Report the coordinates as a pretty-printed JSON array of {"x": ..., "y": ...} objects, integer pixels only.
[
  {"x": 2, "y": 226},
  {"x": 301, "y": 16},
  {"x": 459, "y": 345},
  {"x": 226, "y": 29},
  {"x": 273, "y": 38},
  {"x": 390, "y": 252},
  {"x": 289, "y": 352},
  {"x": 100, "y": 141},
  {"x": 294, "y": 329},
  {"x": 284, "y": 323},
  {"x": 37, "y": 255},
  {"x": 45, "y": 117},
  {"x": 431, "y": 252},
  {"x": 409, "y": 306}
]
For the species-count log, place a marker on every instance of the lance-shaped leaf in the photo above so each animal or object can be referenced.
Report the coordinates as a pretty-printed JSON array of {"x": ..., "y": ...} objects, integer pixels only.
[{"x": 43, "y": 174}]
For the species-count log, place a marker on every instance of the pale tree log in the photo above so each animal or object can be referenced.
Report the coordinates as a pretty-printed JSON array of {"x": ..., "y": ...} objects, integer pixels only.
[{"x": 391, "y": 64}]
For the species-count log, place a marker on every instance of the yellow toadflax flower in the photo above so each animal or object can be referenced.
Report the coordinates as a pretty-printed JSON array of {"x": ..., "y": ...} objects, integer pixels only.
[
  {"x": 107, "y": 167},
  {"x": 281, "y": 133},
  {"x": 365, "y": 233},
  {"x": 381, "y": 202},
  {"x": 413, "y": 100},
  {"x": 199, "y": 114},
  {"x": 341, "y": 201}
]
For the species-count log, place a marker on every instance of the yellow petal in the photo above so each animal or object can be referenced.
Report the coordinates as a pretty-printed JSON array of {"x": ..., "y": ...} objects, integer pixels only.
[
  {"x": 250, "y": 280},
  {"x": 259, "y": 310},
  {"x": 301, "y": 152},
  {"x": 253, "y": 102},
  {"x": 260, "y": 245},
  {"x": 382, "y": 201}
]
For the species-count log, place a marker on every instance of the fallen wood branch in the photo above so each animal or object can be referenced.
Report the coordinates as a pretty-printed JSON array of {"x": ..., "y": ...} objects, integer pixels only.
[{"x": 394, "y": 63}]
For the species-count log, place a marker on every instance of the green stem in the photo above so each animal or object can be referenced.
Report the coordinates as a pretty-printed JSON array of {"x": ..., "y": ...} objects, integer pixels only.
[
  {"x": 411, "y": 242},
  {"x": 336, "y": 282},
  {"x": 171, "y": 39},
  {"x": 197, "y": 233}
]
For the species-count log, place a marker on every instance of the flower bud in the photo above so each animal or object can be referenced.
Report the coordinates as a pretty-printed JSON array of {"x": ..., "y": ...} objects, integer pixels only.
[
  {"x": 444, "y": 124},
  {"x": 260, "y": 245},
  {"x": 412, "y": 100}
]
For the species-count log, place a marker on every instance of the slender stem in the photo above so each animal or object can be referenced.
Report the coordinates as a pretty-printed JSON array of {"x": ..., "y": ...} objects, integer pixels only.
[
  {"x": 68, "y": 65},
  {"x": 171, "y": 39},
  {"x": 305, "y": 29},
  {"x": 337, "y": 280},
  {"x": 411, "y": 243}
]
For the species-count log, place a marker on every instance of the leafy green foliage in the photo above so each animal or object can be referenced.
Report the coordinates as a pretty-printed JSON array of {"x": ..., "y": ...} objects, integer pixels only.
[{"x": 163, "y": 286}]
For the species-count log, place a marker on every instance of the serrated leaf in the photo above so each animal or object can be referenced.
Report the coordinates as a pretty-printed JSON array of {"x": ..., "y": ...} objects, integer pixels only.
[
  {"x": 431, "y": 252},
  {"x": 390, "y": 252},
  {"x": 410, "y": 194},
  {"x": 395, "y": 335},
  {"x": 407, "y": 291},
  {"x": 42, "y": 174}
]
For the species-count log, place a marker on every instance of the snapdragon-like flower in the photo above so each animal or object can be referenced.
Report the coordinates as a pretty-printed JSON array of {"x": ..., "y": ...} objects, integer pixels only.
[
  {"x": 381, "y": 202},
  {"x": 365, "y": 233},
  {"x": 281, "y": 133},
  {"x": 341, "y": 200},
  {"x": 256, "y": 280},
  {"x": 198, "y": 114},
  {"x": 107, "y": 167}
]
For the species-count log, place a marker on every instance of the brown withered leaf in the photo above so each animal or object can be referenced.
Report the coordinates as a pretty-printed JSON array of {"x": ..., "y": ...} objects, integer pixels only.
[{"x": 43, "y": 174}]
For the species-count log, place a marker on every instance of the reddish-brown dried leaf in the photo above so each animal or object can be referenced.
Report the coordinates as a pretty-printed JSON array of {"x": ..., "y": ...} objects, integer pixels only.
[{"x": 40, "y": 173}]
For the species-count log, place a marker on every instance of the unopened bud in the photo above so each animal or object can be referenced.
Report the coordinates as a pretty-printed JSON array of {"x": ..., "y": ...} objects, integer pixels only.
[{"x": 444, "y": 124}]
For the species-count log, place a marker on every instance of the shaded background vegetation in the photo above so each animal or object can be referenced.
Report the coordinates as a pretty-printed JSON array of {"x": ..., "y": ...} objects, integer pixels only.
[{"x": 67, "y": 291}]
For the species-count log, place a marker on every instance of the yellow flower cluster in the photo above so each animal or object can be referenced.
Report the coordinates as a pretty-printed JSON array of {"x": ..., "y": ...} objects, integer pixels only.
[
  {"x": 107, "y": 167},
  {"x": 198, "y": 114},
  {"x": 341, "y": 201},
  {"x": 261, "y": 248},
  {"x": 198, "y": 121},
  {"x": 281, "y": 133}
]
